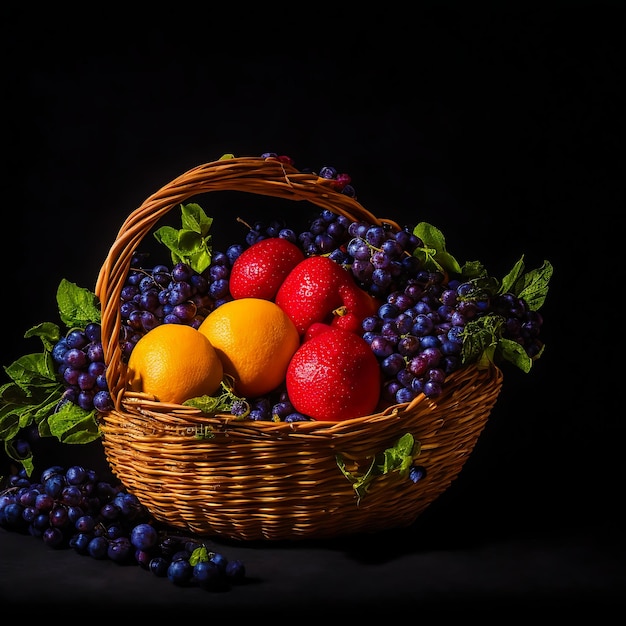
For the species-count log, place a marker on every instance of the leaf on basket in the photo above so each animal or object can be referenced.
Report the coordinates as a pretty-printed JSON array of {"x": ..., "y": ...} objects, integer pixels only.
[
  {"x": 398, "y": 458},
  {"x": 225, "y": 402},
  {"x": 190, "y": 244}
]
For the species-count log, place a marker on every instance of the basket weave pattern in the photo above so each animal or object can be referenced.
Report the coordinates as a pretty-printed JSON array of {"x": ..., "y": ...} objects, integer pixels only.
[{"x": 219, "y": 476}]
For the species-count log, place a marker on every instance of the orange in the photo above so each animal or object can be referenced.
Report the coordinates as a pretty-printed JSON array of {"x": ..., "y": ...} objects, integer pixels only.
[
  {"x": 255, "y": 340},
  {"x": 174, "y": 362}
]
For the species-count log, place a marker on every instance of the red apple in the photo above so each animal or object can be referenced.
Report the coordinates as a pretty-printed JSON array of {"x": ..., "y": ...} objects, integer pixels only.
[
  {"x": 260, "y": 269},
  {"x": 334, "y": 376},
  {"x": 320, "y": 290}
]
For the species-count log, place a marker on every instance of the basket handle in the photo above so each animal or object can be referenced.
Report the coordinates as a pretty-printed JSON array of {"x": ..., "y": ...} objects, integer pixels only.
[{"x": 256, "y": 175}]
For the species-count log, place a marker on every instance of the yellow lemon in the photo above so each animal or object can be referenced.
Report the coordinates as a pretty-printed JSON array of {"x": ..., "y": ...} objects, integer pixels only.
[
  {"x": 255, "y": 340},
  {"x": 174, "y": 362}
]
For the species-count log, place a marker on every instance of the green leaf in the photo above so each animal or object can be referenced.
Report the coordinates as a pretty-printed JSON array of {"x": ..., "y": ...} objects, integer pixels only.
[
  {"x": 72, "y": 424},
  {"x": 480, "y": 338},
  {"x": 192, "y": 243},
  {"x": 9, "y": 422},
  {"x": 508, "y": 282},
  {"x": 211, "y": 405},
  {"x": 167, "y": 236},
  {"x": 195, "y": 219},
  {"x": 512, "y": 351},
  {"x": 473, "y": 269},
  {"x": 433, "y": 254},
  {"x": 33, "y": 370},
  {"x": 48, "y": 332},
  {"x": 200, "y": 554},
  {"x": 397, "y": 458},
  {"x": 77, "y": 306},
  {"x": 533, "y": 286}
]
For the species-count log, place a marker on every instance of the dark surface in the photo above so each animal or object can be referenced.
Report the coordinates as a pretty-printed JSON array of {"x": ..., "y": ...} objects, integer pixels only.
[{"x": 501, "y": 127}]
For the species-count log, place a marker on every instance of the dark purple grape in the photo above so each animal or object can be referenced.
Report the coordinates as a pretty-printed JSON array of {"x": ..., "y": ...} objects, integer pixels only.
[
  {"x": 76, "y": 339},
  {"x": 405, "y": 394},
  {"x": 75, "y": 358},
  {"x": 120, "y": 549},
  {"x": 159, "y": 566},
  {"x": 71, "y": 495},
  {"x": 59, "y": 517},
  {"x": 144, "y": 536},
  {"x": 53, "y": 486},
  {"x": 98, "y": 547},
  {"x": 85, "y": 381},
  {"x": 408, "y": 346},
  {"x": 186, "y": 311},
  {"x": 85, "y": 399},
  {"x": 52, "y": 536},
  {"x": 80, "y": 542},
  {"x": 381, "y": 347},
  {"x": 392, "y": 364},
  {"x": 432, "y": 389},
  {"x": 207, "y": 575},
  {"x": 59, "y": 349},
  {"x": 181, "y": 272},
  {"x": 102, "y": 401},
  {"x": 70, "y": 376},
  {"x": 180, "y": 572},
  {"x": 85, "y": 524}
]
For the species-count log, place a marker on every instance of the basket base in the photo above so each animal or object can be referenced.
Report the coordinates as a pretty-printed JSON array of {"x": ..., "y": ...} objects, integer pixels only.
[{"x": 215, "y": 476}]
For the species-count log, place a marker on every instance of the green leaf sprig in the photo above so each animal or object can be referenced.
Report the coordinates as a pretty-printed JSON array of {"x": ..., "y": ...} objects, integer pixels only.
[
  {"x": 398, "y": 458},
  {"x": 483, "y": 341},
  {"x": 190, "y": 244},
  {"x": 34, "y": 396}
]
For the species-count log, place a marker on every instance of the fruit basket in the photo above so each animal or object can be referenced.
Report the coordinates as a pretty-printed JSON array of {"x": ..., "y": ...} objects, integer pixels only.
[{"x": 216, "y": 475}]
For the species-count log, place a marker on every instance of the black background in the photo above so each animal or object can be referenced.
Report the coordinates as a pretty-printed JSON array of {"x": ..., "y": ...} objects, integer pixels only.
[{"x": 501, "y": 126}]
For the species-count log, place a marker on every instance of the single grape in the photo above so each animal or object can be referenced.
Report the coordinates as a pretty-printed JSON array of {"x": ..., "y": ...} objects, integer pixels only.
[
  {"x": 98, "y": 547},
  {"x": 207, "y": 574},
  {"x": 180, "y": 572},
  {"x": 52, "y": 536},
  {"x": 159, "y": 566},
  {"x": 144, "y": 536},
  {"x": 120, "y": 549}
]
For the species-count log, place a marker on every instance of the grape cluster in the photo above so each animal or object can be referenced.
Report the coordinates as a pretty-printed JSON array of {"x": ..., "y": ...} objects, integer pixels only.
[
  {"x": 79, "y": 357},
  {"x": 161, "y": 295},
  {"x": 73, "y": 508},
  {"x": 418, "y": 332},
  {"x": 416, "y": 336},
  {"x": 381, "y": 259}
]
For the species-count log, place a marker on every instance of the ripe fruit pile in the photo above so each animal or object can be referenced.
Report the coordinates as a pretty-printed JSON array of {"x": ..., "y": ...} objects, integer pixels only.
[
  {"x": 266, "y": 305},
  {"x": 421, "y": 319}
]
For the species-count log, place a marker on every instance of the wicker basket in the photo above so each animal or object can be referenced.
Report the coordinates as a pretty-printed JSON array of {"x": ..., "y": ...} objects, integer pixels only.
[{"x": 256, "y": 480}]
